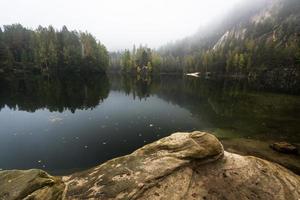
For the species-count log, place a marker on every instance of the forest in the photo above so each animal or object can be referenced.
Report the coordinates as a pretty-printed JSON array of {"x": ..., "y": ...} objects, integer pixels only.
[
  {"x": 49, "y": 50},
  {"x": 252, "y": 39},
  {"x": 133, "y": 61}
]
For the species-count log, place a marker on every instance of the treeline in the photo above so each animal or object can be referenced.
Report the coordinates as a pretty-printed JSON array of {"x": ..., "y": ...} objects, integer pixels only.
[
  {"x": 135, "y": 61},
  {"x": 142, "y": 60},
  {"x": 50, "y": 50}
]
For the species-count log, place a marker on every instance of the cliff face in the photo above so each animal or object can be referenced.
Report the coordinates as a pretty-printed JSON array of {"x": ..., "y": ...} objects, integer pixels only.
[
  {"x": 273, "y": 21},
  {"x": 265, "y": 37},
  {"x": 181, "y": 166},
  {"x": 264, "y": 45}
]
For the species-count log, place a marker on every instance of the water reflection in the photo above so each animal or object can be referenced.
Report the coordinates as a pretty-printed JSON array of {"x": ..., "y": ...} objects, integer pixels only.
[
  {"x": 53, "y": 93},
  {"x": 139, "y": 87},
  {"x": 63, "y": 124}
]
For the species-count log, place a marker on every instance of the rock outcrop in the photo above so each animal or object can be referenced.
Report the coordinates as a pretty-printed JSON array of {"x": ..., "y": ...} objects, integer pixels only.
[
  {"x": 261, "y": 149},
  {"x": 182, "y": 166},
  {"x": 30, "y": 185}
]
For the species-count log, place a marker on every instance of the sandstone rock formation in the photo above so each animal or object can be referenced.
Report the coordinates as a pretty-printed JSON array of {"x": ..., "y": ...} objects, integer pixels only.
[
  {"x": 30, "y": 185},
  {"x": 183, "y": 166},
  {"x": 261, "y": 149}
]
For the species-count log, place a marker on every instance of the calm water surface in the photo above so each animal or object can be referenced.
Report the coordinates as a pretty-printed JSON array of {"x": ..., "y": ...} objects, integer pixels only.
[{"x": 67, "y": 124}]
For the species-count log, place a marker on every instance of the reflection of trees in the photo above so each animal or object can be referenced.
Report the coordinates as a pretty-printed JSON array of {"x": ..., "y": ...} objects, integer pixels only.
[
  {"x": 185, "y": 92},
  {"x": 238, "y": 98},
  {"x": 225, "y": 103},
  {"x": 54, "y": 93},
  {"x": 138, "y": 86},
  {"x": 225, "y": 98},
  {"x": 233, "y": 104}
]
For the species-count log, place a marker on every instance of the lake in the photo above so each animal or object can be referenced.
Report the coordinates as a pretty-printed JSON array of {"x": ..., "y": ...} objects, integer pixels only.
[{"x": 70, "y": 123}]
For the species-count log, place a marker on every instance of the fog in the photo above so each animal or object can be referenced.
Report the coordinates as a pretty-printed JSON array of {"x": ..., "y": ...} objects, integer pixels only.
[{"x": 119, "y": 23}]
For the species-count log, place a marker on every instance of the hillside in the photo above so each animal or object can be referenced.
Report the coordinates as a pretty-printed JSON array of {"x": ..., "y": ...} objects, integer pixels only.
[
  {"x": 256, "y": 36},
  {"x": 258, "y": 39}
]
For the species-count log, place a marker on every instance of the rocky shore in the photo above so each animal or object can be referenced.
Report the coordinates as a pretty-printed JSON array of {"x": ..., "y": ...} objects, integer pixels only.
[{"x": 182, "y": 166}]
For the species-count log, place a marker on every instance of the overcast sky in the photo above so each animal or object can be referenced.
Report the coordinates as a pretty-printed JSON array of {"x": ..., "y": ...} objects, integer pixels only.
[{"x": 118, "y": 23}]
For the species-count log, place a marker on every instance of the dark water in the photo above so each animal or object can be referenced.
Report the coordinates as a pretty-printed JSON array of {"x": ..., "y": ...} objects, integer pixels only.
[{"x": 64, "y": 124}]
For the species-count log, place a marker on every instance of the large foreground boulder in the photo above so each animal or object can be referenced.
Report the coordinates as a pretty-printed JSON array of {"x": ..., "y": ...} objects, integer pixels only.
[{"x": 183, "y": 166}]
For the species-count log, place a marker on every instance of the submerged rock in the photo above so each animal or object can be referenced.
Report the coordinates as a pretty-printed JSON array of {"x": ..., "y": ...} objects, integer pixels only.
[
  {"x": 183, "y": 166},
  {"x": 284, "y": 147}
]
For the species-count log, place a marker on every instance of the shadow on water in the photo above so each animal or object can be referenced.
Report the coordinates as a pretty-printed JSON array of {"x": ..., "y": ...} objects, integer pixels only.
[{"x": 63, "y": 124}]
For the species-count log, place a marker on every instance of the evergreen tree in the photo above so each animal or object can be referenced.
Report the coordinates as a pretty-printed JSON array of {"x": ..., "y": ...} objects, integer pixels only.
[{"x": 50, "y": 50}]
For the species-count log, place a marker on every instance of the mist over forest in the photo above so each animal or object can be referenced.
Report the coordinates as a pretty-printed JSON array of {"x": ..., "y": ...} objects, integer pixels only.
[{"x": 253, "y": 37}]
